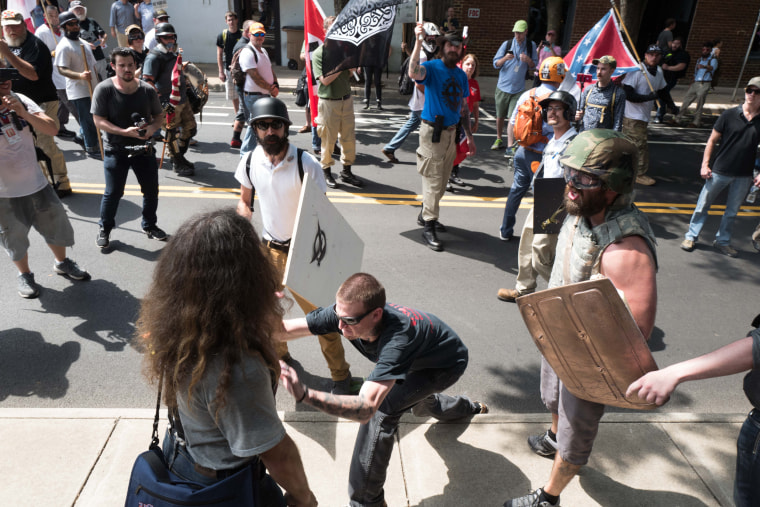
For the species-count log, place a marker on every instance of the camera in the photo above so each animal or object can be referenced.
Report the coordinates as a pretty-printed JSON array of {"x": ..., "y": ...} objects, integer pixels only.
[
  {"x": 7, "y": 74},
  {"x": 140, "y": 123}
]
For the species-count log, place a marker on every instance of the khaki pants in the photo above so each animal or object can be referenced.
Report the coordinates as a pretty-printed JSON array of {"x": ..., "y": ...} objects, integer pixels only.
[
  {"x": 637, "y": 131},
  {"x": 698, "y": 91},
  {"x": 47, "y": 144},
  {"x": 335, "y": 119},
  {"x": 332, "y": 347},
  {"x": 434, "y": 163},
  {"x": 535, "y": 256},
  {"x": 122, "y": 39}
]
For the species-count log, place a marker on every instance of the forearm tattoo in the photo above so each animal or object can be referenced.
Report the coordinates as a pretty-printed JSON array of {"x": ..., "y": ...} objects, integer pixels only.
[{"x": 355, "y": 408}]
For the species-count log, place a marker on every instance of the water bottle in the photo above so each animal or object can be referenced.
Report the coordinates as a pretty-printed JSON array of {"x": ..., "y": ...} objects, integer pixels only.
[{"x": 752, "y": 195}]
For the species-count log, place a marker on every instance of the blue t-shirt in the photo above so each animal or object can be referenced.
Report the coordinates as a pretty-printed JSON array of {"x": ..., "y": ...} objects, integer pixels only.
[
  {"x": 445, "y": 90},
  {"x": 410, "y": 340}
]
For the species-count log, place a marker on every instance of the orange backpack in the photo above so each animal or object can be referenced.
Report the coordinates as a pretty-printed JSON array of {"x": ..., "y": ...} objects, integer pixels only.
[{"x": 529, "y": 123}]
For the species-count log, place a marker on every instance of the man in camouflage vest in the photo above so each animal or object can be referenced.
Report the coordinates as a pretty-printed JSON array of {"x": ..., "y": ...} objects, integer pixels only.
[{"x": 604, "y": 234}]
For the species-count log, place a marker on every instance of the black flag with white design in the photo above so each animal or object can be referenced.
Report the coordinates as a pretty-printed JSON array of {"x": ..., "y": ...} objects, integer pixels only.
[{"x": 360, "y": 36}]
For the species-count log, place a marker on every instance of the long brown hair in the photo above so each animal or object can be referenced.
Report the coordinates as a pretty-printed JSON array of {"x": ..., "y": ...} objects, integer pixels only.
[{"x": 213, "y": 294}]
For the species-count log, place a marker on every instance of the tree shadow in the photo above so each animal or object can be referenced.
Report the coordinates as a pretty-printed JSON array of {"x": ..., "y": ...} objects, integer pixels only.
[
  {"x": 464, "y": 478},
  {"x": 520, "y": 392},
  {"x": 108, "y": 313},
  {"x": 29, "y": 366}
]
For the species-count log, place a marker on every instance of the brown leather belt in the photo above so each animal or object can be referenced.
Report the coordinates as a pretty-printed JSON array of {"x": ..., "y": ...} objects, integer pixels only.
[
  {"x": 276, "y": 245},
  {"x": 344, "y": 97}
]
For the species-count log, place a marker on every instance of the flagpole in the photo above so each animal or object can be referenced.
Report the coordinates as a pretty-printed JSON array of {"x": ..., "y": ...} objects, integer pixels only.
[
  {"x": 746, "y": 57},
  {"x": 635, "y": 53},
  {"x": 421, "y": 20}
]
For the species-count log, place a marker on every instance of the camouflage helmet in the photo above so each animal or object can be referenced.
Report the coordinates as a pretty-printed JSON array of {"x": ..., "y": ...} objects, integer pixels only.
[{"x": 605, "y": 153}]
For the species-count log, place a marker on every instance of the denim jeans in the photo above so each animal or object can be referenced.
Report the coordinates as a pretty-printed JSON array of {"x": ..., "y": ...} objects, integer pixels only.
[
  {"x": 183, "y": 465},
  {"x": 737, "y": 190},
  {"x": 520, "y": 184},
  {"x": 116, "y": 168},
  {"x": 242, "y": 113},
  {"x": 316, "y": 141},
  {"x": 86, "y": 126},
  {"x": 747, "y": 481},
  {"x": 406, "y": 129},
  {"x": 249, "y": 141},
  {"x": 374, "y": 442}
]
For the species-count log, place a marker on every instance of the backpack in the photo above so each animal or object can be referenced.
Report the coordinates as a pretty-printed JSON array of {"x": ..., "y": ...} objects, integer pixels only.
[
  {"x": 299, "y": 156},
  {"x": 405, "y": 83},
  {"x": 529, "y": 123},
  {"x": 236, "y": 73}
]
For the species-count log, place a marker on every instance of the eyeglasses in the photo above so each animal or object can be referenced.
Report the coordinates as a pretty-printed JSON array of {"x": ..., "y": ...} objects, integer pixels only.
[
  {"x": 752, "y": 91},
  {"x": 266, "y": 125},
  {"x": 259, "y": 35},
  {"x": 352, "y": 321},
  {"x": 556, "y": 109},
  {"x": 581, "y": 180}
]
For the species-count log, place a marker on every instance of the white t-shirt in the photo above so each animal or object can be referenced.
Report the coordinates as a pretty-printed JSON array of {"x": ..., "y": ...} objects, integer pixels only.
[
  {"x": 637, "y": 81},
  {"x": 150, "y": 39},
  {"x": 279, "y": 188},
  {"x": 68, "y": 54},
  {"x": 553, "y": 152},
  {"x": 417, "y": 102},
  {"x": 264, "y": 68},
  {"x": 51, "y": 41},
  {"x": 20, "y": 173}
]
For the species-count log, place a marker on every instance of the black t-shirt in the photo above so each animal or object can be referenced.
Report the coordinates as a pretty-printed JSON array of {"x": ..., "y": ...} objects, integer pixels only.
[
  {"x": 117, "y": 107},
  {"x": 410, "y": 340},
  {"x": 90, "y": 30},
  {"x": 674, "y": 59},
  {"x": 36, "y": 53},
  {"x": 228, "y": 45},
  {"x": 738, "y": 144}
]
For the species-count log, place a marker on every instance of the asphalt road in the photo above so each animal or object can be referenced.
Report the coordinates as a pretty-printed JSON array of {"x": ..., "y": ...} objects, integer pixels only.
[{"x": 72, "y": 346}]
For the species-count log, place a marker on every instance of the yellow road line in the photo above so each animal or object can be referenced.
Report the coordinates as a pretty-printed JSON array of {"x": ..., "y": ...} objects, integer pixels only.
[{"x": 456, "y": 201}]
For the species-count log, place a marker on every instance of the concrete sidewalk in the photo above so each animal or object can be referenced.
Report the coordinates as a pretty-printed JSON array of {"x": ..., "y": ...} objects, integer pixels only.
[
  {"x": 718, "y": 100},
  {"x": 83, "y": 457}
]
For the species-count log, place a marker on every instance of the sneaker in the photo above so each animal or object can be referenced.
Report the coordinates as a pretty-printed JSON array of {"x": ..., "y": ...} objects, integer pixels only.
[
  {"x": 480, "y": 408},
  {"x": 687, "y": 245},
  {"x": 154, "y": 232},
  {"x": 530, "y": 500},
  {"x": 509, "y": 295},
  {"x": 543, "y": 445},
  {"x": 236, "y": 143},
  {"x": 347, "y": 386},
  {"x": 657, "y": 121},
  {"x": 27, "y": 287},
  {"x": 103, "y": 238},
  {"x": 456, "y": 180},
  {"x": 71, "y": 269},
  {"x": 645, "y": 180},
  {"x": 497, "y": 145},
  {"x": 509, "y": 153},
  {"x": 726, "y": 250},
  {"x": 508, "y": 237}
]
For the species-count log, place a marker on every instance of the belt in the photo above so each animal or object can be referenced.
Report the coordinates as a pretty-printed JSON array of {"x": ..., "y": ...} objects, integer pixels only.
[
  {"x": 450, "y": 127},
  {"x": 255, "y": 93},
  {"x": 276, "y": 245},
  {"x": 344, "y": 97}
]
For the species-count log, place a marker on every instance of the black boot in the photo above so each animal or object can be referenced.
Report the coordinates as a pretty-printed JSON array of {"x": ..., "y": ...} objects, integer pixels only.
[
  {"x": 428, "y": 234},
  {"x": 380, "y": 106},
  {"x": 366, "y": 105},
  {"x": 181, "y": 168},
  {"x": 329, "y": 179},
  {"x": 438, "y": 225},
  {"x": 183, "y": 146},
  {"x": 347, "y": 176}
]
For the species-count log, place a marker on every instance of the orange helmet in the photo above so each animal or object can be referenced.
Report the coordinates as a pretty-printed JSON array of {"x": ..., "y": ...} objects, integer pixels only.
[{"x": 552, "y": 70}]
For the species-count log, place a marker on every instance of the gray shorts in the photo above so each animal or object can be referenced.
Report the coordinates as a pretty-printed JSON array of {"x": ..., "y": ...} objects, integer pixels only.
[
  {"x": 578, "y": 419},
  {"x": 44, "y": 211}
]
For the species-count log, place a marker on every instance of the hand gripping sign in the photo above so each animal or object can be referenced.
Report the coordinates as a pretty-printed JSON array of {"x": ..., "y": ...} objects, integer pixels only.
[
  {"x": 324, "y": 250},
  {"x": 588, "y": 335}
]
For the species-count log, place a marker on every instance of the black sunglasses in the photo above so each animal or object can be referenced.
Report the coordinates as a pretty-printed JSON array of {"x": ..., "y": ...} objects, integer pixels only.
[
  {"x": 265, "y": 125},
  {"x": 752, "y": 91},
  {"x": 352, "y": 321}
]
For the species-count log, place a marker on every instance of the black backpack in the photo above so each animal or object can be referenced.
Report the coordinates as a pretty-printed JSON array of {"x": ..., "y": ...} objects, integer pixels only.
[{"x": 405, "y": 83}]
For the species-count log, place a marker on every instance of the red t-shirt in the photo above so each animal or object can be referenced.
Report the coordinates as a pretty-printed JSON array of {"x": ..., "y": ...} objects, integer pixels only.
[{"x": 474, "y": 94}]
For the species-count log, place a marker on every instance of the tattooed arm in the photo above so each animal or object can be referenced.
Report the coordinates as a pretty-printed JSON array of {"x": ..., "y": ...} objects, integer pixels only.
[
  {"x": 358, "y": 408},
  {"x": 417, "y": 71}
]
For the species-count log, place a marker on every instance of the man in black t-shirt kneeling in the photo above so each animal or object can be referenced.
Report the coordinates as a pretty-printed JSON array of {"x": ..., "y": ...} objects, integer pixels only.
[
  {"x": 127, "y": 110},
  {"x": 416, "y": 356}
]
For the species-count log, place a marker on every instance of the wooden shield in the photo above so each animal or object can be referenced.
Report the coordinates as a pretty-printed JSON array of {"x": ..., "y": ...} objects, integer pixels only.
[
  {"x": 324, "y": 250},
  {"x": 587, "y": 334}
]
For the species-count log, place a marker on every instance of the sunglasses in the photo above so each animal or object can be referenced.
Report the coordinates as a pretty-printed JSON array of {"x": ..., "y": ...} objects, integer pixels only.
[
  {"x": 266, "y": 125},
  {"x": 581, "y": 180},
  {"x": 752, "y": 91},
  {"x": 163, "y": 19},
  {"x": 136, "y": 37},
  {"x": 259, "y": 35},
  {"x": 352, "y": 321}
]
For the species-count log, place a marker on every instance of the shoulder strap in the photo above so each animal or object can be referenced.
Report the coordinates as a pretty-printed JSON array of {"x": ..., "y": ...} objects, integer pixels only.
[
  {"x": 248, "y": 173},
  {"x": 224, "y": 37},
  {"x": 299, "y": 156}
]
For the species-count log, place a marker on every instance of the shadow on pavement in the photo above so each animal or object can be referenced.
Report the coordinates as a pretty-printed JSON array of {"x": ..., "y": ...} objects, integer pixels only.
[{"x": 29, "y": 366}]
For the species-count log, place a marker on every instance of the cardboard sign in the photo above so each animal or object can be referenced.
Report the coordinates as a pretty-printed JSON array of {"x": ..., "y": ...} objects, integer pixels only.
[{"x": 324, "y": 250}]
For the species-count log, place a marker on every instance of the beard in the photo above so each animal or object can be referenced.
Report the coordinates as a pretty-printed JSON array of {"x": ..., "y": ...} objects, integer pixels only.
[
  {"x": 451, "y": 59},
  {"x": 16, "y": 42},
  {"x": 273, "y": 145},
  {"x": 587, "y": 202}
]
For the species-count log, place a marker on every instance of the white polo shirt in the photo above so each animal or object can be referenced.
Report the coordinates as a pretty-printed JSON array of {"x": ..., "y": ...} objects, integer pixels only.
[
  {"x": 263, "y": 66},
  {"x": 279, "y": 188}
]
